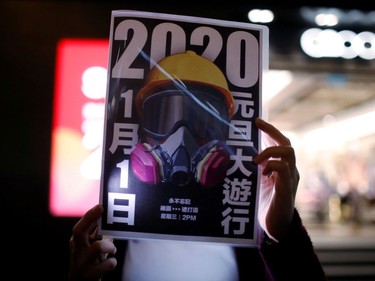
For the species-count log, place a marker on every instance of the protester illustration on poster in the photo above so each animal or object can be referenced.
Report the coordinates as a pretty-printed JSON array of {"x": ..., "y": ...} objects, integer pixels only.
[{"x": 182, "y": 96}]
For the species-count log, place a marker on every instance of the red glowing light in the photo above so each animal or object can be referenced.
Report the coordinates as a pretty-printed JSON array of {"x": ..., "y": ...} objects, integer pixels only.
[{"x": 77, "y": 125}]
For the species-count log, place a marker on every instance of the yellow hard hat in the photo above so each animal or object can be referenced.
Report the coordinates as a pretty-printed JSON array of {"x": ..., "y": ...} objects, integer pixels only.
[{"x": 188, "y": 68}]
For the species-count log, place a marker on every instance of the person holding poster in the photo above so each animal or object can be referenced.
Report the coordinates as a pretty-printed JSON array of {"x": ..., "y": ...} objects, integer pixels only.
[
  {"x": 285, "y": 250},
  {"x": 187, "y": 193}
]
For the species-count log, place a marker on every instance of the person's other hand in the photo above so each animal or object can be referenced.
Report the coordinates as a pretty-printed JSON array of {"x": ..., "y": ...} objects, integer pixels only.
[
  {"x": 279, "y": 181},
  {"x": 89, "y": 258}
]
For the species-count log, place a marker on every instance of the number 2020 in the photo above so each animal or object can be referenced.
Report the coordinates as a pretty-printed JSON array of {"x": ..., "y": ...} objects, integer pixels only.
[{"x": 242, "y": 56}]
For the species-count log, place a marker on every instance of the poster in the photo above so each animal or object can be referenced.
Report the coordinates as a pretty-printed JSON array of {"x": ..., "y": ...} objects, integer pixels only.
[{"x": 182, "y": 96}]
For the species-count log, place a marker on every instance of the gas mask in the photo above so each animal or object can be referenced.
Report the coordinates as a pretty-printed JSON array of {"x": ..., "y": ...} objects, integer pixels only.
[{"x": 183, "y": 135}]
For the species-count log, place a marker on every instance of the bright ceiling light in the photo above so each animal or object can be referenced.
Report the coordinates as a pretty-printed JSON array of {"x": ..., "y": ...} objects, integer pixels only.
[
  {"x": 346, "y": 44},
  {"x": 324, "y": 19},
  {"x": 260, "y": 16}
]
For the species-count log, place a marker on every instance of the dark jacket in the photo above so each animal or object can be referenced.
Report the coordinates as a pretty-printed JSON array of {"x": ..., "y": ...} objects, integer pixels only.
[{"x": 292, "y": 259}]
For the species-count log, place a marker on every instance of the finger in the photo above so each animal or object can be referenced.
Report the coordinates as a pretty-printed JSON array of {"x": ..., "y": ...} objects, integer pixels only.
[
  {"x": 101, "y": 257},
  {"x": 277, "y": 152},
  {"x": 86, "y": 226},
  {"x": 267, "y": 141},
  {"x": 280, "y": 167},
  {"x": 272, "y": 131},
  {"x": 284, "y": 176},
  {"x": 100, "y": 249}
]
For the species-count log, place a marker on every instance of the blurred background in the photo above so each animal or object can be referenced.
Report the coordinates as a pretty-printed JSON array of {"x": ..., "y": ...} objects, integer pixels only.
[{"x": 320, "y": 91}]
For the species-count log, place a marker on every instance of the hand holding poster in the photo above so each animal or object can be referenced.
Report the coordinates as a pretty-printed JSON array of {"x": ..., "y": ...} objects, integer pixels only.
[{"x": 182, "y": 96}]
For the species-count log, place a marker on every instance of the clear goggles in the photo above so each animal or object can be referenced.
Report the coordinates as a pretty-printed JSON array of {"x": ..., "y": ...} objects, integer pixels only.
[{"x": 203, "y": 112}]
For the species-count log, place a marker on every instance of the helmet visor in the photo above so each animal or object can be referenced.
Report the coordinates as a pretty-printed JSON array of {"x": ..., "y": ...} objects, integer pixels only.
[{"x": 204, "y": 113}]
